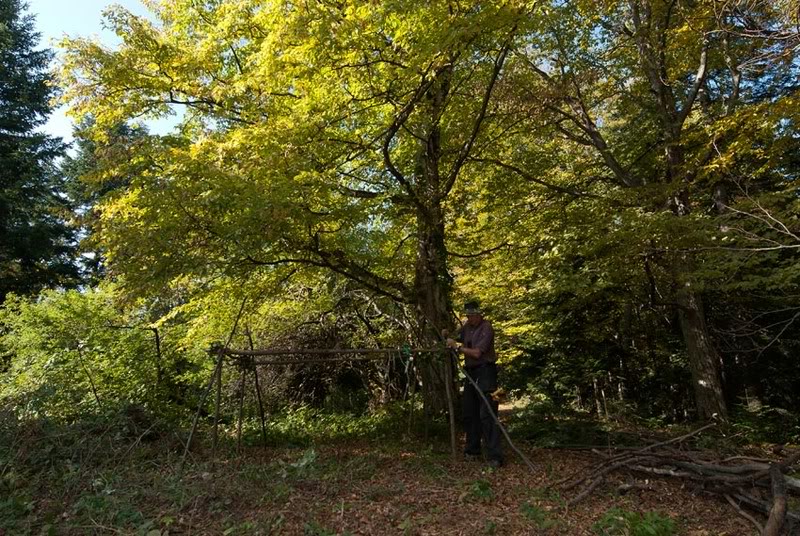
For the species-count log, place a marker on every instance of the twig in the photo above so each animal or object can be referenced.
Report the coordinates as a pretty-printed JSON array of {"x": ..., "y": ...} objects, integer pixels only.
[
  {"x": 748, "y": 458},
  {"x": 138, "y": 440},
  {"x": 744, "y": 514},
  {"x": 601, "y": 473},
  {"x": 678, "y": 439},
  {"x": 624, "y": 488},
  {"x": 197, "y": 414},
  {"x": 89, "y": 375},
  {"x": 590, "y": 488},
  {"x": 218, "y": 375},
  {"x": 258, "y": 392}
]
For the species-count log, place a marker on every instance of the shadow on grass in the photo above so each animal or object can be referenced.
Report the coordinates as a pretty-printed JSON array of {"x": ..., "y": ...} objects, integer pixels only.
[{"x": 567, "y": 429}]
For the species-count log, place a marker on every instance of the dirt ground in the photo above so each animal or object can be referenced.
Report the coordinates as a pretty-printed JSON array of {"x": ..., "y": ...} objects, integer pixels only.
[{"x": 358, "y": 490}]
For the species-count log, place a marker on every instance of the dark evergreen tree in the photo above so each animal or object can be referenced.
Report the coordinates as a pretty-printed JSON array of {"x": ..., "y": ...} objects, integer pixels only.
[{"x": 36, "y": 242}]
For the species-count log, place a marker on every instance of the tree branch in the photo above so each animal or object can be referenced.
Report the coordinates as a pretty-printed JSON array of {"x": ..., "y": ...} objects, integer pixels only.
[
  {"x": 479, "y": 254},
  {"x": 398, "y": 122},
  {"x": 527, "y": 176},
  {"x": 467, "y": 147},
  {"x": 699, "y": 79}
]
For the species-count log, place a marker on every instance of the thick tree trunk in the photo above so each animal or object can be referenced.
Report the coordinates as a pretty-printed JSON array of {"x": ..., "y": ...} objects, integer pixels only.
[
  {"x": 704, "y": 361},
  {"x": 432, "y": 281},
  {"x": 432, "y": 285}
]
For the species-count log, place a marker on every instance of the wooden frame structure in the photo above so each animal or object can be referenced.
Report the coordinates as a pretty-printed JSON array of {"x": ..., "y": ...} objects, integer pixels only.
[{"x": 249, "y": 360}]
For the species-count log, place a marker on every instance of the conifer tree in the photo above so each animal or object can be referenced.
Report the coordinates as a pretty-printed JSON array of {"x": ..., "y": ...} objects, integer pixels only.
[{"x": 36, "y": 243}]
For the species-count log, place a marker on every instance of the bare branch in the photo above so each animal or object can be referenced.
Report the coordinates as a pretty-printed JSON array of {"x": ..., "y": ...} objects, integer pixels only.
[
  {"x": 478, "y": 254},
  {"x": 699, "y": 79},
  {"x": 337, "y": 263},
  {"x": 527, "y": 176},
  {"x": 467, "y": 148},
  {"x": 401, "y": 118},
  {"x": 780, "y": 333}
]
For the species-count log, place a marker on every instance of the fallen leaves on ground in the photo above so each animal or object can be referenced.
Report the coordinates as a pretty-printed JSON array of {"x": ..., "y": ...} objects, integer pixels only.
[{"x": 369, "y": 489}]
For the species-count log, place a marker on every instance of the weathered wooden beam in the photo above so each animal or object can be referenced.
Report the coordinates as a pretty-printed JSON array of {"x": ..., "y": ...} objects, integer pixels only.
[{"x": 325, "y": 351}]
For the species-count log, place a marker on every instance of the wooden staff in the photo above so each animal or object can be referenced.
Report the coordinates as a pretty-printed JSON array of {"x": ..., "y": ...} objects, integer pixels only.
[
  {"x": 242, "y": 384},
  {"x": 219, "y": 376}
]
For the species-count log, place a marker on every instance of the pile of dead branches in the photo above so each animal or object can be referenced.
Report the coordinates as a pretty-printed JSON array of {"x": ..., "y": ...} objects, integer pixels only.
[{"x": 759, "y": 485}]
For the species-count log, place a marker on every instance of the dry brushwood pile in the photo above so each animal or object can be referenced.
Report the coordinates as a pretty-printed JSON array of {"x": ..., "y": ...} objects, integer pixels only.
[{"x": 752, "y": 486}]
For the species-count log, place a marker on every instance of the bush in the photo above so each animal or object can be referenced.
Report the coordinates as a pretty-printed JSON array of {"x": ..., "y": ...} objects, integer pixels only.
[
  {"x": 618, "y": 522},
  {"x": 71, "y": 355}
]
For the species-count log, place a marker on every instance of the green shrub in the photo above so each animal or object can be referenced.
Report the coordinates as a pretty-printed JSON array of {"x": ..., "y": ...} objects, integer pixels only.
[
  {"x": 538, "y": 516},
  {"x": 618, "y": 522},
  {"x": 765, "y": 424},
  {"x": 73, "y": 354},
  {"x": 481, "y": 490}
]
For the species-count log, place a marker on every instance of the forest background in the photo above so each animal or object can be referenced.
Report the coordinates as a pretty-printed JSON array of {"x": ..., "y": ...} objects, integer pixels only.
[{"x": 614, "y": 180}]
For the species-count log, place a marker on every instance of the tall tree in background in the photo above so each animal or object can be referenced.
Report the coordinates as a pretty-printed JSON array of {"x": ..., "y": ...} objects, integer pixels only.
[
  {"x": 36, "y": 244},
  {"x": 660, "y": 116},
  {"x": 572, "y": 153}
]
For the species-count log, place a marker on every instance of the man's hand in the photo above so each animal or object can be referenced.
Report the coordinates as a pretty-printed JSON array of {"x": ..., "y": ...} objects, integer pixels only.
[{"x": 452, "y": 343}]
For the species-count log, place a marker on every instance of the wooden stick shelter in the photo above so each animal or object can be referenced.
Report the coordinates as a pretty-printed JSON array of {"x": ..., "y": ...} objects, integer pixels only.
[{"x": 249, "y": 360}]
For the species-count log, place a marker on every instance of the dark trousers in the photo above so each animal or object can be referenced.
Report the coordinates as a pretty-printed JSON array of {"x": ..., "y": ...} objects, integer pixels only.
[{"x": 478, "y": 422}]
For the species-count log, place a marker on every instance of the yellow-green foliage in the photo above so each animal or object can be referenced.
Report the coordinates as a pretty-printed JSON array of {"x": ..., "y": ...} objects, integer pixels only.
[{"x": 74, "y": 353}]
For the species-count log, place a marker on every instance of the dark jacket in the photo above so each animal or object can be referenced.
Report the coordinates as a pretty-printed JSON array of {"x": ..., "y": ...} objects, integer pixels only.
[{"x": 482, "y": 338}]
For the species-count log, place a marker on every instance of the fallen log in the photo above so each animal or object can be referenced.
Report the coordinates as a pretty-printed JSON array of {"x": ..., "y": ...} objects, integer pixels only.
[
  {"x": 763, "y": 507},
  {"x": 777, "y": 513},
  {"x": 614, "y": 460}
]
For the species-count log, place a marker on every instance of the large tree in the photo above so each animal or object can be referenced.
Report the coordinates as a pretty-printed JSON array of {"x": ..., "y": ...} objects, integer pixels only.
[
  {"x": 36, "y": 244},
  {"x": 588, "y": 149},
  {"x": 324, "y": 134},
  {"x": 87, "y": 185}
]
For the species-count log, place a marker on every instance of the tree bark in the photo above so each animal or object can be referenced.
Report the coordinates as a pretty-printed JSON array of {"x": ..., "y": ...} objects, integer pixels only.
[
  {"x": 704, "y": 361},
  {"x": 432, "y": 280},
  {"x": 432, "y": 284},
  {"x": 777, "y": 514}
]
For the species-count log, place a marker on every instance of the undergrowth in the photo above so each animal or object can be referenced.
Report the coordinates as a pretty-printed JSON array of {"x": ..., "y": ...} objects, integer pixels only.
[
  {"x": 542, "y": 423},
  {"x": 619, "y": 522},
  {"x": 122, "y": 472}
]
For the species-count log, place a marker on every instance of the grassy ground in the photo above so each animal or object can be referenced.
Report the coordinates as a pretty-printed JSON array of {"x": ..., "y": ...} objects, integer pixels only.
[{"x": 321, "y": 475}]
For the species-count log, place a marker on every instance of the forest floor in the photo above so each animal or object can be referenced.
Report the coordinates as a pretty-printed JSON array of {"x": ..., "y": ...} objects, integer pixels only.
[{"x": 372, "y": 485}]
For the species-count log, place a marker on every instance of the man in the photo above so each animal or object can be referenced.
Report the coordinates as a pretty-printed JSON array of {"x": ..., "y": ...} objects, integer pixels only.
[{"x": 477, "y": 346}]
